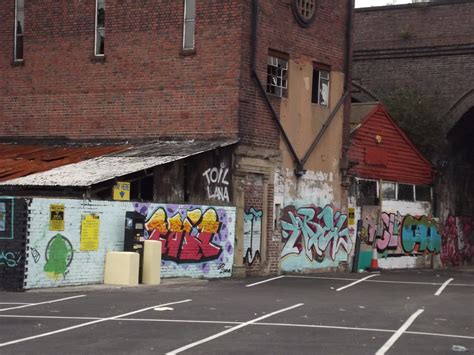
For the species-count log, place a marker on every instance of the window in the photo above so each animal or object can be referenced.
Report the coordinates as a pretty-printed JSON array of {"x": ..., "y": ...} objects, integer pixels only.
[
  {"x": 423, "y": 193},
  {"x": 277, "y": 76},
  {"x": 100, "y": 28},
  {"x": 367, "y": 192},
  {"x": 388, "y": 190},
  {"x": 320, "y": 94},
  {"x": 405, "y": 192},
  {"x": 189, "y": 24},
  {"x": 19, "y": 29}
]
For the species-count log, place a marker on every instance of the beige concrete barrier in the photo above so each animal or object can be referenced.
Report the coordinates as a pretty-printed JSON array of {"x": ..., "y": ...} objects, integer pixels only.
[
  {"x": 152, "y": 263},
  {"x": 121, "y": 268}
]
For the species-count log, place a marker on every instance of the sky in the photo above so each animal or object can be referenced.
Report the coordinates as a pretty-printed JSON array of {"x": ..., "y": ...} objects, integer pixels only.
[{"x": 367, "y": 3}]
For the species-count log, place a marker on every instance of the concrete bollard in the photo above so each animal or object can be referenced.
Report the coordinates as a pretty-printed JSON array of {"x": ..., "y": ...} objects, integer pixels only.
[
  {"x": 121, "y": 268},
  {"x": 152, "y": 263}
]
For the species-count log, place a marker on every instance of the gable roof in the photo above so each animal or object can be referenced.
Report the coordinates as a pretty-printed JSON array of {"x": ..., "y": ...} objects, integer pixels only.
[{"x": 382, "y": 150}]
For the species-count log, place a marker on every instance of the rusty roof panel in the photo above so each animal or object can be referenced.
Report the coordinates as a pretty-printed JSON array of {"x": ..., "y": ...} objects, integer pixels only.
[{"x": 18, "y": 160}]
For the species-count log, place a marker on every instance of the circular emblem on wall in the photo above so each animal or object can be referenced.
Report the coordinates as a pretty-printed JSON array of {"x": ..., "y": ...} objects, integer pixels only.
[{"x": 304, "y": 11}]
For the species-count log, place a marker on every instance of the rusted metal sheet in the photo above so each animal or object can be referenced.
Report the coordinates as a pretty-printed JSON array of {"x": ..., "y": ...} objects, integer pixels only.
[
  {"x": 381, "y": 150},
  {"x": 18, "y": 160}
]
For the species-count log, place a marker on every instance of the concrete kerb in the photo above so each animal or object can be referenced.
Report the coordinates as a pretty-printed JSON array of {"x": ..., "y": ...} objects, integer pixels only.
[{"x": 104, "y": 287}]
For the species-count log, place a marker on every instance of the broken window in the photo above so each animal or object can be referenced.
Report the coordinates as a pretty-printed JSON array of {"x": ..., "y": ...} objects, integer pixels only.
[
  {"x": 423, "y": 193},
  {"x": 367, "y": 192},
  {"x": 19, "y": 28},
  {"x": 405, "y": 192},
  {"x": 388, "y": 190},
  {"x": 277, "y": 76},
  {"x": 100, "y": 28},
  {"x": 320, "y": 94},
  {"x": 189, "y": 24}
]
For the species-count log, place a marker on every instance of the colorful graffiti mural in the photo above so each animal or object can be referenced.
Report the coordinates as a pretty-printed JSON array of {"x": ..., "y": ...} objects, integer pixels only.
[
  {"x": 315, "y": 234},
  {"x": 458, "y": 240},
  {"x": 59, "y": 255},
  {"x": 187, "y": 237},
  {"x": 403, "y": 234},
  {"x": 252, "y": 235}
]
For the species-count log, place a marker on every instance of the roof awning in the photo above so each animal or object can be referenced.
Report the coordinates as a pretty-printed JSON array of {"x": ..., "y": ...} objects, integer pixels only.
[{"x": 121, "y": 163}]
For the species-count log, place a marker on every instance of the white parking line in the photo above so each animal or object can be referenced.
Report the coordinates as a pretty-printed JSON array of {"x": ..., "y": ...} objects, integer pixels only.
[
  {"x": 267, "y": 280},
  {"x": 211, "y": 322},
  {"x": 40, "y": 303},
  {"x": 230, "y": 330},
  {"x": 443, "y": 286},
  {"x": 356, "y": 282},
  {"x": 398, "y": 333},
  {"x": 86, "y": 324},
  {"x": 13, "y": 303}
]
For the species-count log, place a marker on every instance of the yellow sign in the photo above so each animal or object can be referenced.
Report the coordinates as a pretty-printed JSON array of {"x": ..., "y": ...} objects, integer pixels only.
[
  {"x": 56, "y": 217},
  {"x": 122, "y": 191},
  {"x": 90, "y": 233},
  {"x": 351, "y": 216}
]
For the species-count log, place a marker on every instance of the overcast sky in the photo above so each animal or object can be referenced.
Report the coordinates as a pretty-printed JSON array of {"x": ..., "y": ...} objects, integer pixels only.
[{"x": 367, "y": 3}]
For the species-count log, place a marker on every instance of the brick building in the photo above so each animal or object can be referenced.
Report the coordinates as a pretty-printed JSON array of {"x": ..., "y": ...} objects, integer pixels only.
[
  {"x": 233, "y": 102},
  {"x": 427, "y": 49}
]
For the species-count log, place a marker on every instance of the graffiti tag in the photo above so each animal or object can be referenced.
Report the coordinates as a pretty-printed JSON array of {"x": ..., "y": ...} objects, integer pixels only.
[
  {"x": 252, "y": 235},
  {"x": 10, "y": 258},
  {"x": 217, "y": 184},
  {"x": 315, "y": 232},
  {"x": 186, "y": 238}
]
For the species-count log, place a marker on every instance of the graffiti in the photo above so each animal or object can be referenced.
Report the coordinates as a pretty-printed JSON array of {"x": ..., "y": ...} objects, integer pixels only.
[
  {"x": 252, "y": 235},
  {"x": 217, "y": 184},
  {"x": 58, "y": 254},
  {"x": 10, "y": 259},
  {"x": 187, "y": 237},
  {"x": 315, "y": 232},
  {"x": 3, "y": 216},
  {"x": 420, "y": 235},
  {"x": 458, "y": 240},
  {"x": 36, "y": 255}
]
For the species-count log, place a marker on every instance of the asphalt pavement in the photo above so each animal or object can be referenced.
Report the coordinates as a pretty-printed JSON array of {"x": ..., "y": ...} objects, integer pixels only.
[{"x": 410, "y": 312}]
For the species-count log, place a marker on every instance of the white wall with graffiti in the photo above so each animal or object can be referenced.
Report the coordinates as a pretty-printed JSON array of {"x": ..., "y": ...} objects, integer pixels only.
[
  {"x": 68, "y": 239},
  {"x": 403, "y": 232},
  {"x": 315, "y": 232}
]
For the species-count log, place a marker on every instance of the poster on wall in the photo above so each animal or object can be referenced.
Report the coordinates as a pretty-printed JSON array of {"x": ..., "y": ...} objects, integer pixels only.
[
  {"x": 122, "y": 191},
  {"x": 90, "y": 226},
  {"x": 3, "y": 216},
  {"x": 351, "y": 216},
  {"x": 56, "y": 217}
]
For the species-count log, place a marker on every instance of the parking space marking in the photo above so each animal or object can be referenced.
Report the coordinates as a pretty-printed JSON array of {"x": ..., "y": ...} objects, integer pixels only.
[
  {"x": 13, "y": 303},
  {"x": 267, "y": 280},
  {"x": 356, "y": 282},
  {"x": 212, "y": 322},
  {"x": 230, "y": 330},
  {"x": 40, "y": 303},
  {"x": 443, "y": 286},
  {"x": 87, "y": 324},
  {"x": 398, "y": 333}
]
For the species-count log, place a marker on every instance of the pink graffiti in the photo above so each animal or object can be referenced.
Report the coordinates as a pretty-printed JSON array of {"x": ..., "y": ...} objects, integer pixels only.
[{"x": 458, "y": 241}]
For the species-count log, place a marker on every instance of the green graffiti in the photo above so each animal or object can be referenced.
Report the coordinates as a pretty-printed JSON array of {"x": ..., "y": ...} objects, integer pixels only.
[{"x": 59, "y": 254}]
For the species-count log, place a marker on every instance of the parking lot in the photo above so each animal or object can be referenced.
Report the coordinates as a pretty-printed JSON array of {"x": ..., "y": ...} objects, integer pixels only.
[{"x": 411, "y": 312}]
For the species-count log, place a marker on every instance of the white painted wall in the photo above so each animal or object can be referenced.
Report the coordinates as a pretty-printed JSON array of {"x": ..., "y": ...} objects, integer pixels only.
[{"x": 87, "y": 267}]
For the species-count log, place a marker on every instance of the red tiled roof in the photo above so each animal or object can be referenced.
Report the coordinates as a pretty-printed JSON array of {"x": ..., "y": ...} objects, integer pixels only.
[{"x": 17, "y": 160}]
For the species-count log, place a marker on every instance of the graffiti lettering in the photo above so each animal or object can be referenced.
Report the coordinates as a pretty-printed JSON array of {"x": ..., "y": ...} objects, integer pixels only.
[
  {"x": 252, "y": 235},
  {"x": 217, "y": 184},
  {"x": 187, "y": 238},
  {"x": 315, "y": 232},
  {"x": 10, "y": 259}
]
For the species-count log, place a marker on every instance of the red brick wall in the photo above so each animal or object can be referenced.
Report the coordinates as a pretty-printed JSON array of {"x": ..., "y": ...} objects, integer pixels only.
[
  {"x": 323, "y": 41},
  {"x": 145, "y": 88}
]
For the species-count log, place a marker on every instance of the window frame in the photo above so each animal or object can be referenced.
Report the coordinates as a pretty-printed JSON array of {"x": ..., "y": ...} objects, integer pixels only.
[
  {"x": 16, "y": 35},
  {"x": 96, "y": 32},
  {"x": 283, "y": 90},
  {"x": 319, "y": 68},
  {"x": 185, "y": 27}
]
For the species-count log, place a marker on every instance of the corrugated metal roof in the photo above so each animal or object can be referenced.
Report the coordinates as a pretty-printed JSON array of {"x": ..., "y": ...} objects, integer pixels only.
[
  {"x": 17, "y": 160},
  {"x": 107, "y": 167}
]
